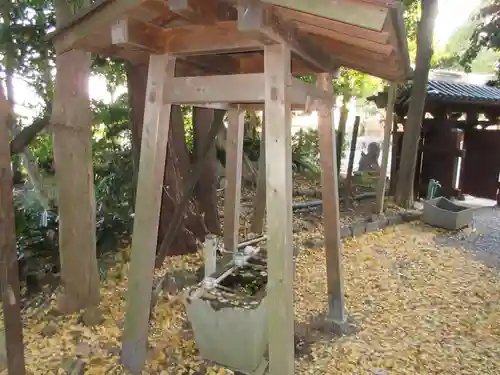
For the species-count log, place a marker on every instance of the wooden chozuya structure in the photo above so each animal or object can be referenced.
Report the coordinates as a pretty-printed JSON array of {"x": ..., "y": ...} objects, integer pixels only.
[{"x": 240, "y": 54}]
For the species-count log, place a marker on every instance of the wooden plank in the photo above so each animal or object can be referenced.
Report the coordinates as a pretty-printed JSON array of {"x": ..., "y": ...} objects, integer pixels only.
[
  {"x": 369, "y": 16},
  {"x": 254, "y": 63},
  {"x": 131, "y": 33},
  {"x": 336, "y": 27},
  {"x": 258, "y": 21},
  {"x": 209, "y": 65},
  {"x": 301, "y": 92},
  {"x": 277, "y": 61},
  {"x": 330, "y": 197},
  {"x": 237, "y": 88},
  {"x": 389, "y": 118},
  {"x": 259, "y": 202},
  {"x": 234, "y": 161},
  {"x": 345, "y": 51},
  {"x": 9, "y": 271},
  {"x": 222, "y": 37},
  {"x": 147, "y": 210},
  {"x": 368, "y": 45}
]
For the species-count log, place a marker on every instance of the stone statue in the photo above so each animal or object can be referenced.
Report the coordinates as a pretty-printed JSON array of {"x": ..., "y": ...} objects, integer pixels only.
[{"x": 369, "y": 161}]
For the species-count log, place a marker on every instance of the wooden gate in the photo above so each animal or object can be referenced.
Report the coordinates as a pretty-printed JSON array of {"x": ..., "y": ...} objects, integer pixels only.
[
  {"x": 481, "y": 167},
  {"x": 438, "y": 157}
]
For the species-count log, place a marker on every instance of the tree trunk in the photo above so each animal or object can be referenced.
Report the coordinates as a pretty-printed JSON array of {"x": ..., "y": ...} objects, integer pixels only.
[
  {"x": 249, "y": 172},
  {"x": 25, "y": 154},
  {"x": 177, "y": 170},
  {"x": 206, "y": 189},
  {"x": 177, "y": 165},
  {"x": 72, "y": 119},
  {"x": 404, "y": 190},
  {"x": 9, "y": 271}
]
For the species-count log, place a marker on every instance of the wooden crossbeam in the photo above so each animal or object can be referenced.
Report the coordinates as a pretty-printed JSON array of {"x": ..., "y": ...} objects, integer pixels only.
[
  {"x": 259, "y": 22},
  {"x": 237, "y": 88},
  {"x": 222, "y": 37},
  {"x": 228, "y": 89}
]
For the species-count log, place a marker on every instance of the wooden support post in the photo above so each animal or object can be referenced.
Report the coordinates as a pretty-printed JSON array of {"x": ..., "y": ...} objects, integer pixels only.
[
  {"x": 330, "y": 196},
  {"x": 9, "y": 271},
  {"x": 147, "y": 210},
  {"x": 234, "y": 161},
  {"x": 350, "y": 165},
  {"x": 277, "y": 70},
  {"x": 259, "y": 203},
  {"x": 210, "y": 254},
  {"x": 395, "y": 156},
  {"x": 389, "y": 118}
]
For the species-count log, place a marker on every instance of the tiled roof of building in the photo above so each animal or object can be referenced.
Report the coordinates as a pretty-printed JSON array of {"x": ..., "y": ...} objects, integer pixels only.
[
  {"x": 456, "y": 92},
  {"x": 445, "y": 91}
]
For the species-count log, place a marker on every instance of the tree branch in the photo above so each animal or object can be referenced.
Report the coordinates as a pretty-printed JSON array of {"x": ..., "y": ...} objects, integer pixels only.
[{"x": 28, "y": 134}]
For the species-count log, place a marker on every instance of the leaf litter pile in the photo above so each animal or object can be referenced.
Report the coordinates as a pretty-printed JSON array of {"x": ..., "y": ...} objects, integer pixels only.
[{"x": 417, "y": 307}]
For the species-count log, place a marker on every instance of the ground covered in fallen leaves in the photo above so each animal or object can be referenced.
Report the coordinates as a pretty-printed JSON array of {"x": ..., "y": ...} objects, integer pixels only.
[{"x": 418, "y": 308}]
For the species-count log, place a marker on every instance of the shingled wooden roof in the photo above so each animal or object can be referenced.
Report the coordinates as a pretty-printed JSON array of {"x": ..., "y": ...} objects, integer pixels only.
[{"x": 224, "y": 37}]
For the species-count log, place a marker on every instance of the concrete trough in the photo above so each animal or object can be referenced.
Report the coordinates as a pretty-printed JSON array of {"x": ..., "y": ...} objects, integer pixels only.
[
  {"x": 230, "y": 330},
  {"x": 443, "y": 213}
]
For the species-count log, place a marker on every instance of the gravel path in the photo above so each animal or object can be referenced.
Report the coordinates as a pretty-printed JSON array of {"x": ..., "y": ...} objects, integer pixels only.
[{"x": 483, "y": 239}]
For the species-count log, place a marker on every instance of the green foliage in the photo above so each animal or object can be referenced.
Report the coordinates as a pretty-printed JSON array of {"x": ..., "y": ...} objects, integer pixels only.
[
  {"x": 486, "y": 33},
  {"x": 187, "y": 113},
  {"x": 450, "y": 57},
  {"x": 305, "y": 151},
  {"x": 411, "y": 18},
  {"x": 352, "y": 83},
  {"x": 113, "y": 171}
]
